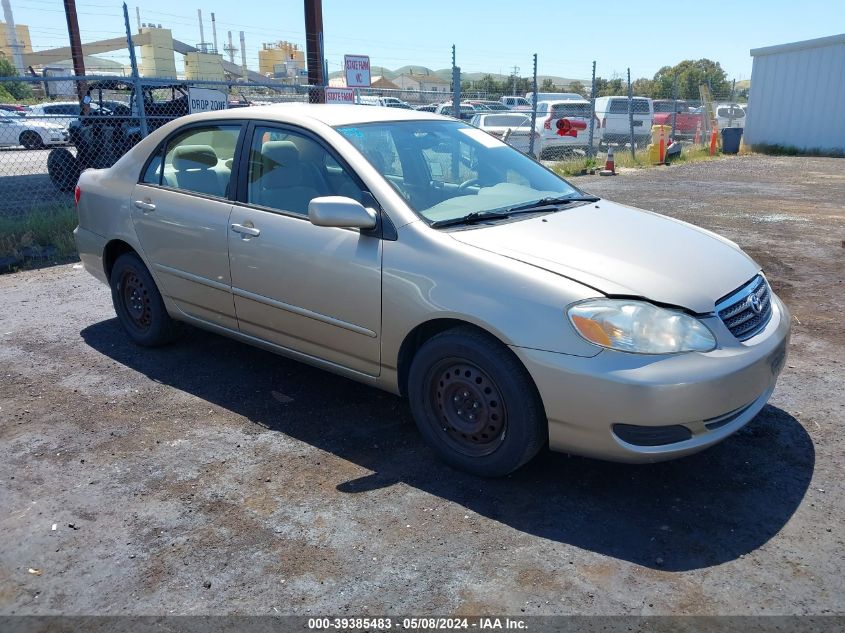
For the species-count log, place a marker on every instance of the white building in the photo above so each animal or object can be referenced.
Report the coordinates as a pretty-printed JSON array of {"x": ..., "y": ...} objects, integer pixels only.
[
  {"x": 797, "y": 95},
  {"x": 426, "y": 83}
]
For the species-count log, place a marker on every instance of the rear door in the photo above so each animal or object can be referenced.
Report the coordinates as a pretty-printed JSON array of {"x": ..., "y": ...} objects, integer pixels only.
[
  {"x": 180, "y": 210},
  {"x": 311, "y": 289}
]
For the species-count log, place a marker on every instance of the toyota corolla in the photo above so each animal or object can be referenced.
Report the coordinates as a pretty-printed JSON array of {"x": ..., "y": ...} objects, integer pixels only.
[{"x": 420, "y": 255}]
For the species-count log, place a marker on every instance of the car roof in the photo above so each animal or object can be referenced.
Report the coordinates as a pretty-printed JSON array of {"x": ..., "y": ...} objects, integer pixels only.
[
  {"x": 328, "y": 114},
  {"x": 563, "y": 101}
]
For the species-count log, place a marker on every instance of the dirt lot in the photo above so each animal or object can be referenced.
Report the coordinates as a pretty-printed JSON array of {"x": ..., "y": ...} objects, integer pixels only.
[{"x": 210, "y": 477}]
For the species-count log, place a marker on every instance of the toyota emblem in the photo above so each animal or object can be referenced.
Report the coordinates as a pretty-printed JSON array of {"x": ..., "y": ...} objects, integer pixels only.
[{"x": 755, "y": 304}]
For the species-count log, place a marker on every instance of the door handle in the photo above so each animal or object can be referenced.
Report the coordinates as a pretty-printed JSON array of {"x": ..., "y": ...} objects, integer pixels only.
[
  {"x": 145, "y": 206},
  {"x": 246, "y": 230}
]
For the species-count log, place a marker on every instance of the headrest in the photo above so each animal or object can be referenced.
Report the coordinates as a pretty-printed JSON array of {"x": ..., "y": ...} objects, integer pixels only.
[
  {"x": 279, "y": 153},
  {"x": 194, "y": 157}
]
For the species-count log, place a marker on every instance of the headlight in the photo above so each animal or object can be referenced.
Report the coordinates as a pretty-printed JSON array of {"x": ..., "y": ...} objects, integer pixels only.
[{"x": 639, "y": 327}]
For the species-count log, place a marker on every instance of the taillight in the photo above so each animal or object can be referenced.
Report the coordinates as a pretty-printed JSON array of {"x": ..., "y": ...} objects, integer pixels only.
[
  {"x": 77, "y": 194},
  {"x": 547, "y": 124}
]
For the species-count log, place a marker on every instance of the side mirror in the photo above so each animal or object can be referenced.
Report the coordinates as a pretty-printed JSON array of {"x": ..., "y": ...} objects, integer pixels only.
[{"x": 341, "y": 212}]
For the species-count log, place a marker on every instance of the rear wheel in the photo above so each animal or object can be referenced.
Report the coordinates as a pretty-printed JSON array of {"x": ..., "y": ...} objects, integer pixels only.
[
  {"x": 31, "y": 140},
  {"x": 475, "y": 403},
  {"x": 139, "y": 305}
]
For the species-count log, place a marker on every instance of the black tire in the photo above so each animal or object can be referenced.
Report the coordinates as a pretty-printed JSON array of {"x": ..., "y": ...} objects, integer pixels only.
[
  {"x": 63, "y": 168},
  {"x": 31, "y": 140},
  {"x": 139, "y": 305},
  {"x": 464, "y": 372}
]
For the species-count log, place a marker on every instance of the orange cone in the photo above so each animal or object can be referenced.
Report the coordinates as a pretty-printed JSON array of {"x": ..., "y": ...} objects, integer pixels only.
[
  {"x": 713, "y": 137},
  {"x": 609, "y": 165}
]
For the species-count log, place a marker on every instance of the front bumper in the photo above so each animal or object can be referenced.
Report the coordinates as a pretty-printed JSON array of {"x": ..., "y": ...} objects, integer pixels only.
[{"x": 711, "y": 394}]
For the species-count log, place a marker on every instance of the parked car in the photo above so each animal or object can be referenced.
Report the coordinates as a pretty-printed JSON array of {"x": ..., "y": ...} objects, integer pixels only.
[
  {"x": 612, "y": 114},
  {"x": 14, "y": 108},
  {"x": 552, "y": 144},
  {"x": 431, "y": 107},
  {"x": 516, "y": 103},
  {"x": 17, "y": 130},
  {"x": 513, "y": 125},
  {"x": 467, "y": 110},
  {"x": 420, "y": 255},
  {"x": 59, "y": 112},
  {"x": 494, "y": 106},
  {"x": 387, "y": 102},
  {"x": 687, "y": 121},
  {"x": 730, "y": 115}
]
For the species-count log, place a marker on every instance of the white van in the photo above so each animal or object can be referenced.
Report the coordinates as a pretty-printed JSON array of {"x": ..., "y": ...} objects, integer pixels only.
[
  {"x": 612, "y": 114},
  {"x": 387, "y": 102}
]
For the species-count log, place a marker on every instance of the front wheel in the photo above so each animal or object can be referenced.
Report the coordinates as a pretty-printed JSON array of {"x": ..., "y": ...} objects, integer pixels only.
[
  {"x": 475, "y": 403},
  {"x": 31, "y": 140},
  {"x": 139, "y": 305}
]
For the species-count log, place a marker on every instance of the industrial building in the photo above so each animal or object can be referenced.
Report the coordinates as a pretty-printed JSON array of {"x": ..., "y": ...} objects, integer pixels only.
[{"x": 796, "y": 96}]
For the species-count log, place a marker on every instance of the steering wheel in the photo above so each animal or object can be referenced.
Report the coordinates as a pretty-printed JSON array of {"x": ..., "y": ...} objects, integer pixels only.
[{"x": 467, "y": 183}]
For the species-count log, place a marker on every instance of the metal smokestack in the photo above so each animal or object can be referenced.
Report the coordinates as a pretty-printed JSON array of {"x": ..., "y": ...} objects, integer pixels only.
[
  {"x": 138, "y": 17},
  {"x": 12, "y": 37},
  {"x": 214, "y": 31},
  {"x": 202, "y": 34},
  {"x": 243, "y": 56},
  {"x": 231, "y": 49}
]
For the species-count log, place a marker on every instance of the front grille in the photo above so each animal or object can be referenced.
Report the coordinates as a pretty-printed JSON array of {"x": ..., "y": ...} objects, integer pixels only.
[{"x": 746, "y": 311}]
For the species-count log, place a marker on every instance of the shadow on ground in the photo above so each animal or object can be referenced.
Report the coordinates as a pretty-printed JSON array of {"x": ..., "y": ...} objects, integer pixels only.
[{"x": 696, "y": 512}]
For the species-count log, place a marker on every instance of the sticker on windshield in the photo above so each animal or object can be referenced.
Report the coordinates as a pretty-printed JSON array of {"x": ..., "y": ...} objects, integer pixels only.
[{"x": 481, "y": 136}]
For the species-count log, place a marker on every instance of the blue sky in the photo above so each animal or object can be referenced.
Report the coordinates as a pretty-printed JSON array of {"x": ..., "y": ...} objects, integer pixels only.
[{"x": 490, "y": 36}]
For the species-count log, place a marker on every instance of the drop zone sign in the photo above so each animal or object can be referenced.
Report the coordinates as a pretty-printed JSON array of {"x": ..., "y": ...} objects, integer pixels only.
[
  {"x": 357, "y": 71},
  {"x": 340, "y": 95},
  {"x": 206, "y": 100}
]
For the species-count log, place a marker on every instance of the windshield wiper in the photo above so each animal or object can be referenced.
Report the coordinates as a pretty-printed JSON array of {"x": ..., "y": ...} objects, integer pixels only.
[
  {"x": 471, "y": 218},
  {"x": 551, "y": 202}
]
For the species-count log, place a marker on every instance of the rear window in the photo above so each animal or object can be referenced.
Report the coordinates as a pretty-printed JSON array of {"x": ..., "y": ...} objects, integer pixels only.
[
  {"x": 505, "y": 120},
  {"x": 727, "y": 113},
  {"x": 572, "y": 109},
  {"x": 620, "y": 106}
]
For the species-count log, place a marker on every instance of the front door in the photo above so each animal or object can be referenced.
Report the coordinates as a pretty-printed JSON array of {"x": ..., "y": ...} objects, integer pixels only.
[
  {"x": 181, "y": 213},
  {"x": 315, "y": 290}
]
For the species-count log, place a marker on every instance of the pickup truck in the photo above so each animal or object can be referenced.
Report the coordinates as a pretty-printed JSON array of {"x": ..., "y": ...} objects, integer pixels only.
[{"x": 686, "y": 121}]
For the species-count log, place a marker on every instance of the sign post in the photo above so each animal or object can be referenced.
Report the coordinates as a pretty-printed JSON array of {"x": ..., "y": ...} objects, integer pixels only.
[{"x": 357, "y": 70}]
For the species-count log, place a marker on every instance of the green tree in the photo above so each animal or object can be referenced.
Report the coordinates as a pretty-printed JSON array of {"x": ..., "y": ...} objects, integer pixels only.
[
  {"x": 689, "y": 75},
  {"x": 643, "y": 87},
  {"x": 579, "y": 87},
  {"x": 610, "y": 87},
  {"x": 548, "y": 85},
  {"x": 19, "y": 90}
]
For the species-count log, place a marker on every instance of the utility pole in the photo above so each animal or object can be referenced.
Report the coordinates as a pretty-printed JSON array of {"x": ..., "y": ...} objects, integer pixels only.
[
  {"x": 515, "y": 71},
  {"x": 314, "y": 49},
  {"x": 76, "y": 48},
  {"x": 631, "y": 114}
]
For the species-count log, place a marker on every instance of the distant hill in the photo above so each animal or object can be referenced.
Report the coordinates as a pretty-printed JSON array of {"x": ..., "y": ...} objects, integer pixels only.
[{"x": 446, "y": 74}]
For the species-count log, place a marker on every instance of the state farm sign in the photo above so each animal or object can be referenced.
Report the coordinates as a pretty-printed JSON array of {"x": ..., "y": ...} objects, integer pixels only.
[
  {"x": 357, "y": 71},
  {"x": 340, "y": 95}
]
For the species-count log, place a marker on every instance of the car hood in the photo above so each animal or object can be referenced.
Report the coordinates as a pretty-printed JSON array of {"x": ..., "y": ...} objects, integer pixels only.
[{"x": 622, "y": 251}]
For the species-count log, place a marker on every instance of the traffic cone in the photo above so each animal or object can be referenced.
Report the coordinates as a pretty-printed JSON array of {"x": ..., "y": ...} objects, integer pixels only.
[
  {"x": 713, "y": 136},
  {"x": 697, "y": 139},
  {"x": 609, "y": 165}
]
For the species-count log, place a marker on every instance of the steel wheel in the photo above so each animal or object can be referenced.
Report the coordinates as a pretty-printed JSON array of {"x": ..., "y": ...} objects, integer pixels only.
[
  {"x": 469, "y": 407},
  {"x": 136, "y": 300}
]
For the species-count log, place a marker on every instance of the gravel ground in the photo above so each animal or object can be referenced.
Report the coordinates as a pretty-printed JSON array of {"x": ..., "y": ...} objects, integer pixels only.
[{"x": 210, "y": 477}]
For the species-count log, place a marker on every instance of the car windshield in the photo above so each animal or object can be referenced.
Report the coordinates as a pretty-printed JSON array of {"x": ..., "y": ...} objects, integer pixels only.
[{"x": 446, "y": 169}]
